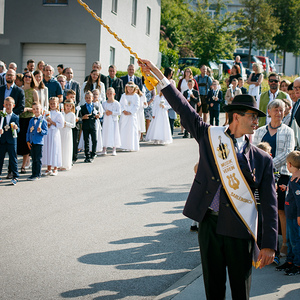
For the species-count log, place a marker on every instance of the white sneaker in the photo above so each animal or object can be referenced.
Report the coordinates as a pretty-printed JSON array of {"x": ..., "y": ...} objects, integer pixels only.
[
  {"x": 54, "y": 173},
  {"x": 103, "y": 153},
  {"x": 114, "y": 153},
  {"x": 47, "y": 172}
]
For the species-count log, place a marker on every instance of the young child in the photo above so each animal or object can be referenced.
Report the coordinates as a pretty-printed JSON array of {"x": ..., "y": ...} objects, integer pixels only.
[
  {"x": 89, "y": 116},
  {"x": 71, "y": 95},
  {"x": 67, "y": 136},
  {"x": 140, "y": 113},
  {"x": 241, "y": 85},
  {"x": 214, "y": 98},
  {"x": 287, "y": 111},
  {"x": 159, "y": 130},
  {"x": 110, "y": 131},
  {"x": 36, "y": 131},
  {"x": 52, "y": 143},
  {"x": 8, "y": 138},
  {"x": 130, "y": 104},
  {"x": 98, "y": 105},
  {"x": 292, "y": 212}
]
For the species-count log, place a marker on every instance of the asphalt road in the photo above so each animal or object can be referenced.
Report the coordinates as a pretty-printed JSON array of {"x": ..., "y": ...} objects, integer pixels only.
[{"x": 113, "y": 229}]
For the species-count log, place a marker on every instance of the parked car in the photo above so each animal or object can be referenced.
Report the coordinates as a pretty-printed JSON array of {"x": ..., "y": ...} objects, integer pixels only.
[
  {"x": 227, "y": 65},
  {"x": 244, "y": 59},
  {"x": 272, "y": 65},
  {"x": 264, "y": 60},
  {"x": 185, "y": 62}
]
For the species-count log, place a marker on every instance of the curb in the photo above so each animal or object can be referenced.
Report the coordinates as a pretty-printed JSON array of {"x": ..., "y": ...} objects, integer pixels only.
[{"x": 181, "y": 284}]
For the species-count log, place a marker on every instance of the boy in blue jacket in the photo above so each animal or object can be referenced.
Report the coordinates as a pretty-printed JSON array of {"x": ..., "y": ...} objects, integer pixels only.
[
  {"x": 292, "y": 213},
  {"x": 37, "y": 128},
  {"x": 8, "y": 138}
]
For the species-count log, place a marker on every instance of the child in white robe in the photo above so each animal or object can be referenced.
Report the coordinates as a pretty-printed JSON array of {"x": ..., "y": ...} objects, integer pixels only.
[
  {"x": 159, "y": 130},
  {"x": 52, "y": 143},
  {"x": 130, "y": 103},
  {"x": 67, "y": 135},
  {"x": 141, "y": 114},
  {"x": 110, "y": 131}
]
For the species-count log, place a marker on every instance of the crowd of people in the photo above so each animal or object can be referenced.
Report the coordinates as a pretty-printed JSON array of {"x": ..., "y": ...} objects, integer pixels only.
[{"x": 51, "y": 118}]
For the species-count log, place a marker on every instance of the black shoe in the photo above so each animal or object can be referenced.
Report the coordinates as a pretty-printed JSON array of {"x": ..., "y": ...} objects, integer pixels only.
[
  {"x": 10, "y": 175},
  {"x": 87, "y": 160},
  {"x": 185, "y": 136},
  {"x": 293, "y": 271},
  {"x": 180, "y": 133},
  {"x": 284, "y": 267},
  {"x": 194, "y": 228}
]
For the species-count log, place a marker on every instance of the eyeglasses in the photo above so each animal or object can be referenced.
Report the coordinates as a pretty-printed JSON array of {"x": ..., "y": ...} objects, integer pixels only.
[
  {"x": 296, "y": 88},
  {"x": 27, "y": 76},
  {"x": 254, "y": 116},
  {"x": 273, "y": 80}
]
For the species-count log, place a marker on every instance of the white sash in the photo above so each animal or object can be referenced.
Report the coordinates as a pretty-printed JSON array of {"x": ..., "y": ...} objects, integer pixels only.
[{"x": 233, "y": 180}]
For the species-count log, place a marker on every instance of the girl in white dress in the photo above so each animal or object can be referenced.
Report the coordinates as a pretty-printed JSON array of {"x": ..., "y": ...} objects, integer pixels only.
[
  {"x": 110, "y": 131},
  {"x": 92, "y": 83},
  {"x": 66, "y": 135},
  {"x": 141, "y": 114},
  {"x": 52, "y": 141},
  {"x": 159, "y": 130},
  {"x": 130, "y": 104}
]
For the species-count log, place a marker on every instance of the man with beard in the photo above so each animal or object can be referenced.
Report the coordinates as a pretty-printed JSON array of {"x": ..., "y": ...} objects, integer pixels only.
[
  {"x": 115, "y": 82},
  {"x": 12, "y": 90},
  {"x": 267, "y": 97}
]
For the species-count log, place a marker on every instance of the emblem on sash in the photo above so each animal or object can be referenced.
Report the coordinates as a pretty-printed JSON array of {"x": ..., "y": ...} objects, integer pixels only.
[
  {"x": 223, "y": 150},
  {"x": 233, "y": 181}
]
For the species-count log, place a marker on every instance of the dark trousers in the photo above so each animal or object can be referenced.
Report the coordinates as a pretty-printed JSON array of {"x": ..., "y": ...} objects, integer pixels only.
[
  {"x": 217, "y": 253},
  {"x": 13, "y": 158},
  {"x": 75, "y": 133},
  {"x": 36, "y": 156},
  {"x": 86, "y": 134},
  {"x": 214, "y": 115},
  {"x": 172, "y": 125}
]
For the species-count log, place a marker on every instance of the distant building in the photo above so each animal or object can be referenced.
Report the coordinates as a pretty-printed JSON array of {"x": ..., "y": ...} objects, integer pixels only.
[{"x": 63, "y": 32}]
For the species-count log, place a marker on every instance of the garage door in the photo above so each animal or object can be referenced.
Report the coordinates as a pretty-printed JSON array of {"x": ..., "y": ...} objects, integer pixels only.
[{"x": 71, "y": 55}]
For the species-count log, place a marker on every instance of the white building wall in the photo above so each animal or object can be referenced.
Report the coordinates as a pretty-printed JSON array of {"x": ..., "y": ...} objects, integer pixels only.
[{"x": 146, "y": 46}]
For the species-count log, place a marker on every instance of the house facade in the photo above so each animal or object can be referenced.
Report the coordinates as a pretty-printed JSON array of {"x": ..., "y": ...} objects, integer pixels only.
[{"x": 63, "y": 32}]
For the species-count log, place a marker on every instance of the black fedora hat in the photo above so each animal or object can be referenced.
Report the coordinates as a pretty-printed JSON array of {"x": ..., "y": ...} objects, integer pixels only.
[{"x": 244, "y": 102}]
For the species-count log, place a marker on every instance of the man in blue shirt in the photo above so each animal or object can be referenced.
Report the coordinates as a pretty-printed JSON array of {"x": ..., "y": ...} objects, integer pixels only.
[
  {"x": 204, "y": 84},
  {"x": 54, "y": 88}
]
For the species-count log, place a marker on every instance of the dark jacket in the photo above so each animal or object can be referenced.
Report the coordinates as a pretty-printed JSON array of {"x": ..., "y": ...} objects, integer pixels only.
[
  {"x": 193, "y": 101},
  {"x": 89, "y": 123},
  {"x": 216, "y": 104},
  {"x": 207, "y": 179},
  {"x": 136, "y": 80},
  {"x": 7, "y": 136},
  {"x": 18, "y": 95},
  {"x": 103, "y": 79},
  {"x": 118, "y": 85}
]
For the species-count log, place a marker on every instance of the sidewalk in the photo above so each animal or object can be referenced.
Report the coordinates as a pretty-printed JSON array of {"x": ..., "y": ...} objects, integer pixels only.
[{"x": 266, "y": 284}]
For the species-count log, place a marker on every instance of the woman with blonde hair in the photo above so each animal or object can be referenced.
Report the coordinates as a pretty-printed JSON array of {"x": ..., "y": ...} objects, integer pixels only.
[
  {"x": 40, "y": 66},
  {"x": 255, "y": 80}
]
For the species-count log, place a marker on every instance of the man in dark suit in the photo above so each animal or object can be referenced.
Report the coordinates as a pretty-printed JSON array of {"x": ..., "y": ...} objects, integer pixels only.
[
  {"x": 71, "y": 84},
  {"x": 10, "y": 89},
  {"x": 115, "y": 82},
  {"x": 131, "y": 77},
  {"x": 224, "y": 239},
  {"x": 193, "y": 97},
  {"x": 295, "y": 114},
  {"x": 97, "y": 66}
]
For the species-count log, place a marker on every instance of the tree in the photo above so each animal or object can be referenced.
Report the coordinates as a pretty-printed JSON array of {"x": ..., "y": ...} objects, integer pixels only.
[
  {"x": 175, "y": 19},
  {"x": 288, "y": 40},
  {"x": 212, "y": 38},
  {"x": 257, "y": 27}
]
